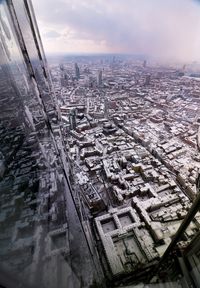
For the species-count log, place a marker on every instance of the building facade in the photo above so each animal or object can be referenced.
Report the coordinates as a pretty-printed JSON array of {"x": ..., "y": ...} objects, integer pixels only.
[{"x": 41, "y": 238}]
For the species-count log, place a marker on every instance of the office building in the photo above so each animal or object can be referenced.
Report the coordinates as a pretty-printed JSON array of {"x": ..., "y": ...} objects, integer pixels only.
[
  {"x": 77, "y": 71},
  {"x": 41, "y": 237},
  {"x": 100, "y": 78}
]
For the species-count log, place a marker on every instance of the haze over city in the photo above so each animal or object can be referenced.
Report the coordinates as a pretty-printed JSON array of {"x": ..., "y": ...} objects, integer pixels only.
[{"x": 164, "y": 30}]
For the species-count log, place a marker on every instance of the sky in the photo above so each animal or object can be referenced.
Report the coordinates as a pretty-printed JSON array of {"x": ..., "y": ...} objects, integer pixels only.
[{"x": 162, "y": 29}]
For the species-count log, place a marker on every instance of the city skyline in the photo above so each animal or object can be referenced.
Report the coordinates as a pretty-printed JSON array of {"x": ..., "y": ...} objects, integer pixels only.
[
  {"x": 165, "y": 31},
  {"x": 99, "y": 150}
]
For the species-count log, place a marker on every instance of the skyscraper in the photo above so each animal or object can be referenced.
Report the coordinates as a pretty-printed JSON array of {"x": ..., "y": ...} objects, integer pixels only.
[
  {"x": 99, "y": 78},
  {"x": 144, "y": 63},
  {"x": 39, "y": 225},
  {"x": 77, "y": 71},
  {"x": 147, "y": 80},
  {"x": 72, "y": 119}
]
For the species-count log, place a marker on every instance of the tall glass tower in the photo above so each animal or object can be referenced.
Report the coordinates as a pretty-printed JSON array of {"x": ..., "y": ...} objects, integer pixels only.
[{"x": 41, "y": 238}]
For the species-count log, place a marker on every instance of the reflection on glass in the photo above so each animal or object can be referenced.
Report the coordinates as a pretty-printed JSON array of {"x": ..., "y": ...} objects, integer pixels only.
[{"x": 36, "y": 229}]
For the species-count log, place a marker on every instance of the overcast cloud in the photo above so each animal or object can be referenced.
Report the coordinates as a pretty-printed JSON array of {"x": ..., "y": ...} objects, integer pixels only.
[{"x": 165, "y": 29}]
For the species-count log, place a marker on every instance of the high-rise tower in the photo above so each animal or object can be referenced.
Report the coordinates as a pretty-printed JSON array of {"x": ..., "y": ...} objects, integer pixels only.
[
  {"x": 39, "y": 225},
  {"x": 77, "y": 71},
  {"x": 100, "y": 78}
]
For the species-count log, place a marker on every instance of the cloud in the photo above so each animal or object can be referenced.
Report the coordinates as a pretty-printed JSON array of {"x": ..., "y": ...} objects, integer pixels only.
[
  {"x": 162, "y": 29},
  {"x": 51, "y": 34}
]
